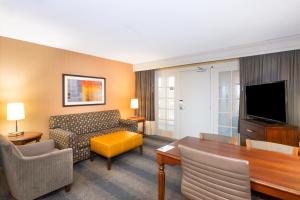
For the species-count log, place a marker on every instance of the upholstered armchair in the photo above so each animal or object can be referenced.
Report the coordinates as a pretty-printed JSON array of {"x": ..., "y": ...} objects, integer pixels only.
[
  {"x": 3, "y": 184},
  {"x": 36, "y": 169}
]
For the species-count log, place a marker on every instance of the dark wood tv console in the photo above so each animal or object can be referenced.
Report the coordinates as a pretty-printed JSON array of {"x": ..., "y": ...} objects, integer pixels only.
[{"x": 259, "y": 130}]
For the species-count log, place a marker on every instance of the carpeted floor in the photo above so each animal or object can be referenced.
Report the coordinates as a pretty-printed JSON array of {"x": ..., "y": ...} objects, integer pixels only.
[{"x": 132, "y": 177}]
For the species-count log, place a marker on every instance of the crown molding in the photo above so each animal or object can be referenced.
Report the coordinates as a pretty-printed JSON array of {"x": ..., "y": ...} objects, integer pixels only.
[{"x": 257, "y": 48}]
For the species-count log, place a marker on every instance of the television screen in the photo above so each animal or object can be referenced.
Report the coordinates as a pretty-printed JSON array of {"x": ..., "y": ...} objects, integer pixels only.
[{"x": 267, "y": 101}]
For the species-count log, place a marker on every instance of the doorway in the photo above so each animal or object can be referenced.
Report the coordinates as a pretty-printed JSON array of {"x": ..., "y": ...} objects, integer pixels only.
[
  {"x": 203, "y": 98},
  {"x": 194, "y": 102}
]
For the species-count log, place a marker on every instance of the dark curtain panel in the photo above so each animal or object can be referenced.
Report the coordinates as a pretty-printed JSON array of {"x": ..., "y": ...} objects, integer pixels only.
[
  {"x": 144, "y": 91},
  {"x": 269, "y": 68}
]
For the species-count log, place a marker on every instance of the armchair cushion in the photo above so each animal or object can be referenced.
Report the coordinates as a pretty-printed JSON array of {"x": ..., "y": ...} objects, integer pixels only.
[{"x": 37, "y": 148}]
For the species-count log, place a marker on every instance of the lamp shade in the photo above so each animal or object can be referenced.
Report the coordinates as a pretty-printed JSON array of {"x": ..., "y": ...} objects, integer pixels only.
[
  {"x": 15, "y": 111},
  {"x": 134, "y": 104}
]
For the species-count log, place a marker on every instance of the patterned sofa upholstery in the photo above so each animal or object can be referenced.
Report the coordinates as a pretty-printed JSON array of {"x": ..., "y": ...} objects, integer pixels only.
[{"x": 75, "y": 130}]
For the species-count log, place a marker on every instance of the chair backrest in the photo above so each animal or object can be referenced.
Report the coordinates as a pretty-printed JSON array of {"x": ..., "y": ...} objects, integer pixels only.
[
  {"x": 3, "y": 182},
  {"x": 8, "y": 150},
  {"x": 210, "y": 176},
  {"x": 10, "y": 161},
  {"x": 219, "y": 138},
  {"x": 270, "y": 146},
  {"x": 89, "y": 122}
]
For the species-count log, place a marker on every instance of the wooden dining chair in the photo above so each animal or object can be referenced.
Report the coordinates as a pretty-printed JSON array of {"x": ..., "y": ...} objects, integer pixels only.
[
  {"x": 210, "y": 176},
  {"x": 270, "y": 146},
  {"x": 219, "y": 138}
]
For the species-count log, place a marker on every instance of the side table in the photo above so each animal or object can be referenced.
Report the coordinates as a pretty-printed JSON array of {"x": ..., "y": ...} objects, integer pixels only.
[
  {"x": 25, "y": 138},
  {"x": 138, "y": 119}
]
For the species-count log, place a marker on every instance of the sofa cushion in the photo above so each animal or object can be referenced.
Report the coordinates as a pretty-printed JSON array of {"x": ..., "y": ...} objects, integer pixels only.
[
  {"x": 83, "y": 140},
  {"x": 59, "y": 121},
  {"x": 84, "y": 123}
]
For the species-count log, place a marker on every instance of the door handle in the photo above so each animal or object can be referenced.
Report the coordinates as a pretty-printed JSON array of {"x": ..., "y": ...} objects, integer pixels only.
[
  {"x": 249, "y": 130},
  {"x": 181, "y": 106}
]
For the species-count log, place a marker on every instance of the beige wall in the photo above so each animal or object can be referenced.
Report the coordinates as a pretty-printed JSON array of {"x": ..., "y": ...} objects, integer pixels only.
[{"x": 32, "y": 74}]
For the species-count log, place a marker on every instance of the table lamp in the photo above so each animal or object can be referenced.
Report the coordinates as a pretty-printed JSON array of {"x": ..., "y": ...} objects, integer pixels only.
[
  {"x": 15, "y": 111},
  {"x": 134, "y": 104}
]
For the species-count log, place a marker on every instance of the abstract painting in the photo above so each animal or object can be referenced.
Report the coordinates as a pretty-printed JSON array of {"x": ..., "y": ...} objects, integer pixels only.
[{"x": 83, "y": 90}]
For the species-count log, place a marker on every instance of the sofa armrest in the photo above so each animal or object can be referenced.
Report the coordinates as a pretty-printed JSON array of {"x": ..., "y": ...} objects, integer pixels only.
[
  {"x": 63, "y": 139},
  {"x": 44, "y": 173},
  {"x": 129, "y": 125},
  {"x": 37, "y": 148}
]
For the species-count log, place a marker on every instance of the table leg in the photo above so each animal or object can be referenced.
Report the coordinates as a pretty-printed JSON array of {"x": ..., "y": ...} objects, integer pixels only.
[
  {"x": 38, "y": 139},
  {"x": 108, "y": 163},
  {"x": 161, "y": 182}
]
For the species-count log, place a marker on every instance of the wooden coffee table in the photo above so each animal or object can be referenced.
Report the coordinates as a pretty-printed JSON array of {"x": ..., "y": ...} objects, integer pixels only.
[{"x": 25, "y": 138}]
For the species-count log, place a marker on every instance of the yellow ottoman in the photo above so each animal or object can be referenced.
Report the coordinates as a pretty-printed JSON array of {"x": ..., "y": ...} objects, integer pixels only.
[{"x": 114, "y": 144}]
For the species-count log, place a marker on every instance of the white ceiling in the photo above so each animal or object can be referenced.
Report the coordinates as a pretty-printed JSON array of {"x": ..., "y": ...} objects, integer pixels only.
[{"x": 139, "y": 31}]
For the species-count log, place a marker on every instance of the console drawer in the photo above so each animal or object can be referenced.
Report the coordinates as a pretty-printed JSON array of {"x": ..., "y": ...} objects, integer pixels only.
[
  {"x": 249, "y": 131},
  {"x": 259, "y": 130}
]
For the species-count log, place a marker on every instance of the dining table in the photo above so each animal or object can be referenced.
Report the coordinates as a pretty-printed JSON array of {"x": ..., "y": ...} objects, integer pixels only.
[{"x": 272, "y": 173}]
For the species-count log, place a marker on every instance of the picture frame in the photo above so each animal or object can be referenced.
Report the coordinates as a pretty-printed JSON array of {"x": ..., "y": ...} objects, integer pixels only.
[{"x": 81, "y": 90}]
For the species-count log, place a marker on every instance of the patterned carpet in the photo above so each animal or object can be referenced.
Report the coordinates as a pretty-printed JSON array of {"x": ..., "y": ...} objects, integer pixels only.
[{"x": 132, "y": 177}]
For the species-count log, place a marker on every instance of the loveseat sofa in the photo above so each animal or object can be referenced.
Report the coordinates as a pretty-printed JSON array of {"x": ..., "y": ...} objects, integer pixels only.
[{"x": 75, "y": 130}]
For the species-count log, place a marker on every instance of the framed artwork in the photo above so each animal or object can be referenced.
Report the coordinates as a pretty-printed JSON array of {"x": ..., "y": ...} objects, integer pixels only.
[{"x": 83, "y": 90}]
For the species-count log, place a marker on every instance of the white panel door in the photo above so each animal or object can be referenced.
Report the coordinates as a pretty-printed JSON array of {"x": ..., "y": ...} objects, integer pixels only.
[
  {"x": 194, "y": 102},
  {"x": 165, "y": 103}
]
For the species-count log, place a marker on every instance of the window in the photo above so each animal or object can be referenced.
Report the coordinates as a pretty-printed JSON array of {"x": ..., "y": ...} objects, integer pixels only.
[
  {"x": 166, "y": 103},
  {"x": 229, "y": 95},
  {"x": 226, "y": 100}
]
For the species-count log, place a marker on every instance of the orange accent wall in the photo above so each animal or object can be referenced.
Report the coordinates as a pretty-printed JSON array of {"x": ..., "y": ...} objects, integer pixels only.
[{"x": 32, "y": 74}]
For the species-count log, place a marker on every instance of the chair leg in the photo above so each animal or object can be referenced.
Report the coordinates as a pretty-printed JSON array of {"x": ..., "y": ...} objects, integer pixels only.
[
  {"x": 11, "y": 197},
  {"x": 141, "y": 149},
  {"x": 108, "y": 163},
  {"x": 92, "y": 154},
  {"x": 68, "y": 188}
]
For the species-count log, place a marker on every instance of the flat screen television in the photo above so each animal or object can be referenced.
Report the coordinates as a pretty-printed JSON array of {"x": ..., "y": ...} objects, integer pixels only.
[{"x": 267, "y": 101}]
